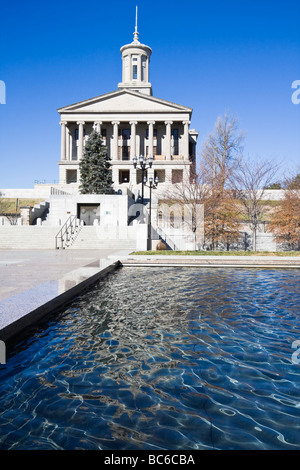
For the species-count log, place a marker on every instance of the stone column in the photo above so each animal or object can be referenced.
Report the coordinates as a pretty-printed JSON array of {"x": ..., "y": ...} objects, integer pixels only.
[
  {"x": 80, "y": 139},
  {"x": 150, "y": 137},
  {"x": 97, "y": 126},
  {"x": 133, "y": 139},
  {"x": 115, "y": 140},
  {"x": 186, "y": 140},
  {"x": 71, "y": 145},
  {"x": 63, "y": 140},
  {"x": 168, "y": 139},
  {"x": 133, "y": 178},
  {"x": 68, "y": 155}
]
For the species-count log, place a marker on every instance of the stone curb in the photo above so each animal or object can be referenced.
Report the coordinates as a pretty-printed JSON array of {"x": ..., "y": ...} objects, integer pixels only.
[{"x": 16, "y": 321}]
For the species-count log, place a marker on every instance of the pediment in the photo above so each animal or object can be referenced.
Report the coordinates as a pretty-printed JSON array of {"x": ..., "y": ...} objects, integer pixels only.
[{"x": 124, "y": 101}]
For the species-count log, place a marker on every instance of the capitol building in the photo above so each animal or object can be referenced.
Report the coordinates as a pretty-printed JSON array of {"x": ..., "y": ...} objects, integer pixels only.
[
  {"x": 134, "y": 126},
  {"x": 132, "y": 122}
]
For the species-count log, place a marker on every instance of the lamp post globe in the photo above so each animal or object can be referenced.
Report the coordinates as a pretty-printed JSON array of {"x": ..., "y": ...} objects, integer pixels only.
[{"x": 143, "y": 166}]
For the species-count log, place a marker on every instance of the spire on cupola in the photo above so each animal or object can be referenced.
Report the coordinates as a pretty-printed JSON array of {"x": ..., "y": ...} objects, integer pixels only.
[
  {"x": 136, "y": 60},
  {"x": 136, "y": 34}
]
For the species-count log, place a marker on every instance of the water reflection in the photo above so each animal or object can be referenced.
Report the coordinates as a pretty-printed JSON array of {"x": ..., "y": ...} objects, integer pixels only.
[{"x": 167, "y": 358}]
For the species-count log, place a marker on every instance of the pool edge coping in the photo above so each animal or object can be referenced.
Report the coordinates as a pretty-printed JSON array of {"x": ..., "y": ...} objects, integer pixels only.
[
  {"x": 207, "y": 261},
  {"x": 13, "y": 329}
]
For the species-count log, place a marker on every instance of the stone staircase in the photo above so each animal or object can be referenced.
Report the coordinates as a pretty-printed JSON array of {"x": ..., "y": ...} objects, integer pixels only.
[
  {"x": 39, "y": 211},
  {"x": 56, "y": 216},
  {"x": 91, "y": 238},
  {"x": 31, "y": 237}
]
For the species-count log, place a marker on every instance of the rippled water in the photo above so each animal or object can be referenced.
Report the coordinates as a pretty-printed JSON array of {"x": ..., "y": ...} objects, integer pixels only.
[{"x": 161, "y": 358}]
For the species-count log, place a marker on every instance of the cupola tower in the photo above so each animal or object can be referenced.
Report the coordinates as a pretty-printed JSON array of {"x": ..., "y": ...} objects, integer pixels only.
[{"x": 135, "y": 65}]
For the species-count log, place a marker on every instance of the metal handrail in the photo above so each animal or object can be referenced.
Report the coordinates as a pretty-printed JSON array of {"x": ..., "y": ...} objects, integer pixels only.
[
  {"x": 166, "y": 238},
  {"x": 66, "y": 232}
]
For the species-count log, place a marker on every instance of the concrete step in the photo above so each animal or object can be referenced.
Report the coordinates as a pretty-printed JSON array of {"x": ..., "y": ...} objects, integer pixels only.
[
  {"x": 27, "y": 237},
  {"x": 101, "y": 244},
  {"x": 95, "y": 238},
  {"x": 43, "y": 237}
]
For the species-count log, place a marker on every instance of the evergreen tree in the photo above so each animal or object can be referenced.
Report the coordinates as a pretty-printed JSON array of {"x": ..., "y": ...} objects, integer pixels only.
[{"x": 95, "y": 167}]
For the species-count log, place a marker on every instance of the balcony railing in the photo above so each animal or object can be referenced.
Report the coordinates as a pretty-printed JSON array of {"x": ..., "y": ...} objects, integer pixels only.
[{"x": 177, "y": 157}]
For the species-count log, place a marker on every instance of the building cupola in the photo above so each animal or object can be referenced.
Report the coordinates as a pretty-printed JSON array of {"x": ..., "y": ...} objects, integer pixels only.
[{"x": 135, "y": 69}]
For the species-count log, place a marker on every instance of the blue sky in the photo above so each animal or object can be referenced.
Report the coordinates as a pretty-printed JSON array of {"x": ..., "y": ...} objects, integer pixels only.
[{"x": 236, "y": 56}]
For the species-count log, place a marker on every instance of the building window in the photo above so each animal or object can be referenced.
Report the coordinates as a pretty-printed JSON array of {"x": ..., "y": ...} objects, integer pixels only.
[
  {"x": 177, "y": 176},
  {"x": 134, "y": 68},
  {"x": 125, "y": 152},
  {"x": 71, "y": 176},
  {"x": 161, "y": 175},
  {"x": 124, "y": 176},
  {"x": 134, "y": 72},
  {"x": 126, "y": 134},
  {"x": 175, "y": 138},
  {"x": 76, "y": 134},
  {"x": 139, "y": 175},
  {"x": 172, "y": 219},
  {"x": 154, "y": 133}
]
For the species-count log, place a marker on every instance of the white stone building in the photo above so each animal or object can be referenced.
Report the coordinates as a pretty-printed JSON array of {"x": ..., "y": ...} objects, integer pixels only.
[{"x": 132, "y": 122}]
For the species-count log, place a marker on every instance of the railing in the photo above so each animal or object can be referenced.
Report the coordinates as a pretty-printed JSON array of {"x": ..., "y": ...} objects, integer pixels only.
[
  {"x": 164, "y": 237},
  {"x": 46, "y": 182},
  {"x": 66, "y": 234},
  {"x": 58, "y": 192},
  {"x": 177, "y": 157}
]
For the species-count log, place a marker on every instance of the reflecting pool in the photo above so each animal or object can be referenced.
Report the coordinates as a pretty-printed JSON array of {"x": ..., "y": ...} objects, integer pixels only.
[{"x": 161, "y": 358}]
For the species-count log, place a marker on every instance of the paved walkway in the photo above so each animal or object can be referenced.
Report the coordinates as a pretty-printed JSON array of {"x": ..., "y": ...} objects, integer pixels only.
[
  {"x": 22, "y": 270},
  {"x": 34, "y": 282}
]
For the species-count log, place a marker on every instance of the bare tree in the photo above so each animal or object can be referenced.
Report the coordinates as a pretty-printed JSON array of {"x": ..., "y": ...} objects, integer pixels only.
[
  {"x": 6, "y": 210},
  {"x": 211, "y": 214},
  {"x": 222, "y": 222},
  {"x": 222, "y": 150},
  {"x": 189, "y": 195},
  {"x": 249, "y": 181}
]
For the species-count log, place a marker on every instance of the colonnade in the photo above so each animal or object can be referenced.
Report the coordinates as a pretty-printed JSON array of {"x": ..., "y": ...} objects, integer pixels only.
[{"x": 66, "y": 140}]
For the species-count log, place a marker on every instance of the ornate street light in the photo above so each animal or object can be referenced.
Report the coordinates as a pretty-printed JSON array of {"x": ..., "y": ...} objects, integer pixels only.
[
  {"x": 143, "y": 167},
  {"x": 153, "y": 183}
]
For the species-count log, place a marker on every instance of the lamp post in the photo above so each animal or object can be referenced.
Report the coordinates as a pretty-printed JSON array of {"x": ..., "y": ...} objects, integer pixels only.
[
  {"x": 143, "y": 167},
  {"x": 152, "y": 185}
]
